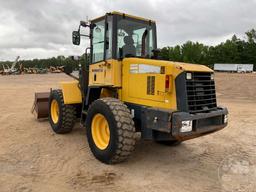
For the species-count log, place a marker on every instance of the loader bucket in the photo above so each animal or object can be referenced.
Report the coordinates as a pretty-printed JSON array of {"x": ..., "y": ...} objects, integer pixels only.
[{"x": 40, "y": 106}]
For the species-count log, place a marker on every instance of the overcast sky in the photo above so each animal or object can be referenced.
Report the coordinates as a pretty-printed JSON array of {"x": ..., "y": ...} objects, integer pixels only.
[{"x": 42, "y": 28}]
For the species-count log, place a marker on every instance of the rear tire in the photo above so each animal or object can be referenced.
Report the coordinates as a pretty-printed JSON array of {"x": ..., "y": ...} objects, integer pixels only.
[
  {"x": 118, "y": 141},
  {"x": 62, "y": 117}
]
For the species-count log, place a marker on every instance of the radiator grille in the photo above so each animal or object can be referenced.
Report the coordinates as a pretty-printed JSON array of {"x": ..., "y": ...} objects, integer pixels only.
[{"x": 201, "y": 95}]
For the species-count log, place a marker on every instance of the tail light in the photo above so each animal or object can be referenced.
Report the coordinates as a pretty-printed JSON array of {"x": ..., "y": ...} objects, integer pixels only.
[{"x": 167, "y": 83}]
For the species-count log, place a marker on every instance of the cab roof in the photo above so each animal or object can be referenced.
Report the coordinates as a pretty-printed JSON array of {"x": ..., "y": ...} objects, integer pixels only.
[{"x": 126, "y": 15}]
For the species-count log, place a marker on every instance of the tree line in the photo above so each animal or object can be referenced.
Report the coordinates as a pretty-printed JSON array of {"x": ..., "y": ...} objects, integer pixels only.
[
  {"x": 234, "y": 50},
  {"x": 45, "y": 63}
]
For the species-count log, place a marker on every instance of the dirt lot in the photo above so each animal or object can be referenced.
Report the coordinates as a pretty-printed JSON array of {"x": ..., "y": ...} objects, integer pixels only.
[{"x": 33, "y": 158}]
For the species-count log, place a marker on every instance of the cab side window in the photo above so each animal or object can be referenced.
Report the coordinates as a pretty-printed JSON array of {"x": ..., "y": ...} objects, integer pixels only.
[{"x": 130, "y": 38}]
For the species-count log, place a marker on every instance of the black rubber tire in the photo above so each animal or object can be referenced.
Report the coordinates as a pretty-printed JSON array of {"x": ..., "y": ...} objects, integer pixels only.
[
  {"x": 170, "y": 142},
  {"x": 67, "y": 114},
  {"x": 122, "y": 130}
]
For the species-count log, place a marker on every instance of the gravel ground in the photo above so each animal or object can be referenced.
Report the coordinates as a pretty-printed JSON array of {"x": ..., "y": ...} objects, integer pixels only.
[{"x": 33, "y": 158}]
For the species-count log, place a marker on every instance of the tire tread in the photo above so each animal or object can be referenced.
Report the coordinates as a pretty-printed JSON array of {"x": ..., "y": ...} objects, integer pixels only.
[
  {"x": 125, "y": 129},
  {"x": 68, "y": 115}
]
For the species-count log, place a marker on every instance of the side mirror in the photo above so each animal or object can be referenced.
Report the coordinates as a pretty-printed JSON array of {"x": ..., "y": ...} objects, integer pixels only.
[
  {"x": 68, "y": 69},
  {"x": 76, "y": 37}
]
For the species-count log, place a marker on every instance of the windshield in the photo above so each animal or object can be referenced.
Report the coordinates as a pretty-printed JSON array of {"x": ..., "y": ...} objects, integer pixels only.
[{"x": 134, "y": 39}]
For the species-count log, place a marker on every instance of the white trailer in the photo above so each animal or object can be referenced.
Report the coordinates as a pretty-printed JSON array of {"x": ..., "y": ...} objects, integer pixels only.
[
  {"x": 239, "y": 68},
  {"x": 244, "y": 68}
]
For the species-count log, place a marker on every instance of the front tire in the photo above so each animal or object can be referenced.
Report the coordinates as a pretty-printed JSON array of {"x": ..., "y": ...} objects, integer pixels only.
[
  {"x": 110, "y": 130},
  {"x": 62, "y": 117}
]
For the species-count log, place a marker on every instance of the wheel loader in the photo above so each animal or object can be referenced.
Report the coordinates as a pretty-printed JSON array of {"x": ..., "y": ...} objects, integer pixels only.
[{"x": 124, "y": 87}]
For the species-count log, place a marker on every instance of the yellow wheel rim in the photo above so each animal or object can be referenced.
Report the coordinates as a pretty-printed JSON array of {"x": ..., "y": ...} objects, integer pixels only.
[
  {"x": 100, "y": 131},
  {"x": 55, "y": 111}
]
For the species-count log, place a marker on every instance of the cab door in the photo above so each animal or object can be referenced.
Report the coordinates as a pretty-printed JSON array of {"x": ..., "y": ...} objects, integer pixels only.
[
  {"x": 96, "y": 75},
  {"x": 104, "y": 71}
]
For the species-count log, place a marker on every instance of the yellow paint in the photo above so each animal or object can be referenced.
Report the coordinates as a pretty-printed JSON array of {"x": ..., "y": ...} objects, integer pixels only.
[
  {"x": 131, "y": 16},
  {"x": 54, "y": 111},
  {"x": 119, "y": 92},
  {"x": 105, "y": 73},
  {"x": 134, "y": 86},
  {"x": 71, "y": 92},
  {"x": 100, "y": 131},
  {"x": 193, "y": 67},
  {"x": 127, "y": 15}
]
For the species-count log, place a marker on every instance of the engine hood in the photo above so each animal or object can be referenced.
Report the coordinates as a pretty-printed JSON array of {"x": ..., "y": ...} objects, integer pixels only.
[
  {"x": 192, "y": 67},
  {"x": 170, "y": 64}
]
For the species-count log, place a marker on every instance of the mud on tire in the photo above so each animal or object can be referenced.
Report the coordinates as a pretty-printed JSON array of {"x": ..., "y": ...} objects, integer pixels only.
[
  {"x": 66, "y": 115},
  {"x": 121, "y": 127}
]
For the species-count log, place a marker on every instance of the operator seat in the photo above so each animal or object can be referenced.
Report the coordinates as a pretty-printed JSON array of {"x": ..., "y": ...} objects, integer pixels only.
[{"x": 128, "y": 48}]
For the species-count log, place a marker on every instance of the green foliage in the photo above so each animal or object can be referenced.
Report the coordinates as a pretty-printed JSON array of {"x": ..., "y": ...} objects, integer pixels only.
[
  {"x": 233, "y": 50},
  {"x": 46, "y": 63}
]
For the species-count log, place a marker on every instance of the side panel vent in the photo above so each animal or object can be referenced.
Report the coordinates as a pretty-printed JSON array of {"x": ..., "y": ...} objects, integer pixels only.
[{"x": 151, "y": 85}]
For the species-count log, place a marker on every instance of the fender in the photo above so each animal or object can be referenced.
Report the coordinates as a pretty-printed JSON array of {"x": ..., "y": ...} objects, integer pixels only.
[{"x": 71, "y": 92}]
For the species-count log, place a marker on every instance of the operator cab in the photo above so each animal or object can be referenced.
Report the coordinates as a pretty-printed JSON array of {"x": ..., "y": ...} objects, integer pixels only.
[{"x": 117, "y": 35}]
